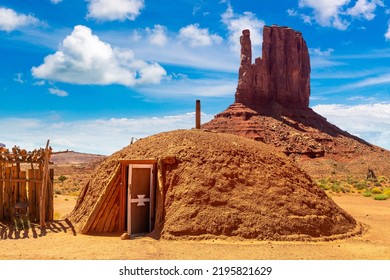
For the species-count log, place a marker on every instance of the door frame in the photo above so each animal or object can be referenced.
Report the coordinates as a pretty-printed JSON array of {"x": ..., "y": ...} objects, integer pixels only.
[
  {"x": 123, "y": 212},
  {"x": 151, "y": 191}
]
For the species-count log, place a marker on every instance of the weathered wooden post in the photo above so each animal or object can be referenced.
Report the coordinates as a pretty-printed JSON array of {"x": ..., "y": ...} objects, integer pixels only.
[
  {"x": 1, "y": 191},
  {"x": 197, "y": 115},
  {"x": 42, "y": 200}
]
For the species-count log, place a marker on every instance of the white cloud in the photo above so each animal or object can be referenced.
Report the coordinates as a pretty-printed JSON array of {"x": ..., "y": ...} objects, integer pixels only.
[
  {"x": 56, "y": 1},
  {"x": 84, "y": 59},
  {"x": 327, "y": 13},
  {"x": 198, "y": 36},
  {"x": 39, "y": 83},
  {"x": 58, "y": 92},
  {"x": 158, "y": 35},
  {"x": 372, "y": 81},
  {"x": 19, "y": 78},
  {"x": 369, "y": 121},
  {"x": 387, "y": 34},
  {"x": 365, "y": 9},
  {"x": 11, "y": 20},
  {"x": 319, "y": 52},
  {"x": 111, "y": 10},
  {"x": 114, "y": 133},
  {"x": 236, "y": 23},
  {"x": 337, "y": 13},
  {"x": 184, "y": 87}
]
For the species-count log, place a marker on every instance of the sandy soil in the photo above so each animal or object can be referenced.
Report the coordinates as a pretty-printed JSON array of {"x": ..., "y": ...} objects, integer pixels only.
[{"x": 61, "y": 242}]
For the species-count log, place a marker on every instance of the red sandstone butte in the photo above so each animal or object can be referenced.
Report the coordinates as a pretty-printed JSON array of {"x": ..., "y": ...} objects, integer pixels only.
[
  {"x": 272, "y": 106},
  {"x": 281, "y": 75}
]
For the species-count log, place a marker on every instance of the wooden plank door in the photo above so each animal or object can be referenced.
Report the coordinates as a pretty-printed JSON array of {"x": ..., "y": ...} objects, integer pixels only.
[{"x": 140, "y": 198}]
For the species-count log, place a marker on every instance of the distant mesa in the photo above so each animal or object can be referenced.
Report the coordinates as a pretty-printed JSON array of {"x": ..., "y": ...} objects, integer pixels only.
[{"x": 272, "y": 106}]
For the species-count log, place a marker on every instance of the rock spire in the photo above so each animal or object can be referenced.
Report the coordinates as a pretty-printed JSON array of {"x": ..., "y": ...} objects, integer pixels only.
[{"x": 281, "y": 75}]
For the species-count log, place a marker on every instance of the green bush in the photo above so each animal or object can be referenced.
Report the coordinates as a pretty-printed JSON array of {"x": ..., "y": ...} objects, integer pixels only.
[
  {"x": 360, "y": 185},
  {"x": 367, "y": 194},
  {"x": 62, "y": 178},
  {"x": 381, "y": 197},
  {"x": 376, "y": 191}
]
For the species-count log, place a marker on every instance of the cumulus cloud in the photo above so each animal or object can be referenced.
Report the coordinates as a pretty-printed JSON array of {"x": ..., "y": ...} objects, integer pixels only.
[
  {"x": 58, "y": 92},
  {"x": 197, "y": 36},
  {"x": 337, "y": 13},
  {"x": 111, "y": 10},
  {"x": 157, "y": 35},
  {"x": 327, "y": 13},
  {"x": 368, "y": 121},
  {"x": 11, "y": 20},
  {"x": 236, "y": 23},
  {"x": 83, "y": 58},
  {"x": 365, "y": 9}
]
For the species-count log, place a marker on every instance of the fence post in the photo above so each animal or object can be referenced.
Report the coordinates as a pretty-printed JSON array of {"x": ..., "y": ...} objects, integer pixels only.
[
  {"x": 42, "y": 200},
  {"x": 1, "y": 192}
]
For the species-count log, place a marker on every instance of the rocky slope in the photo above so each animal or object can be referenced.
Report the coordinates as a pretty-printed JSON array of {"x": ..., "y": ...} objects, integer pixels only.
[{"x": 271, "y": 106}]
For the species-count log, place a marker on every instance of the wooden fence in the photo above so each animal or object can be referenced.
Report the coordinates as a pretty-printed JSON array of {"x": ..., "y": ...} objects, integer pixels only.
[{"x": 18, "y": 185}]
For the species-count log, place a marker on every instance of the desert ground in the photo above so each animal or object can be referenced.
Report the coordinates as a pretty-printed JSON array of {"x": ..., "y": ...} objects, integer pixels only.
[{"x": 61, "y": 241}]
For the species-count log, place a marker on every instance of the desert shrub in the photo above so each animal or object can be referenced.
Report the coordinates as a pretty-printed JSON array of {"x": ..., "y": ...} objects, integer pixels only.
[
  {"x": 367, "y": 194},
  {"x": 351, "y": 181},
  {"x": 62, "y": 178},
  {"x": 376, "y": 191},
  {"x": 377, "y": 184},
  {"x": 382, "y": 179},
  {"x": 387, "y": 192},
  {"x": 361, "y": 185},
  {"x": 381, "y": 197},
  {"x": 57, "y": 191},
  {"x": 324, "y": 184}
]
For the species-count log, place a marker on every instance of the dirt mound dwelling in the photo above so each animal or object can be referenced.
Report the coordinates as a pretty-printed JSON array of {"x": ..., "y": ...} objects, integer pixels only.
[
  {"x": 272, "y": 106},
  {"x": 202, "y": 184}
]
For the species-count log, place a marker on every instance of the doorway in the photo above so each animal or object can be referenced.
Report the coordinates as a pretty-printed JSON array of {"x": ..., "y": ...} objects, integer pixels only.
[{"x": 140, "y": 198}]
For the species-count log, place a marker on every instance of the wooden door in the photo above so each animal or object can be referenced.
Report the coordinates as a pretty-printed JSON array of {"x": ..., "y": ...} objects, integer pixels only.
[{"x": 140, "y": 198}]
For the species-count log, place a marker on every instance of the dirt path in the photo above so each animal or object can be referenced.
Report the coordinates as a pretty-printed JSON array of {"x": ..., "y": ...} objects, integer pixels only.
[{"x": 61, "y": 242}]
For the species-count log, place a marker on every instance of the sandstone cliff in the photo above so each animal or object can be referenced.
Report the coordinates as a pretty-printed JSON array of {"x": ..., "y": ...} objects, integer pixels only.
[{"x": 281, "y": 75}]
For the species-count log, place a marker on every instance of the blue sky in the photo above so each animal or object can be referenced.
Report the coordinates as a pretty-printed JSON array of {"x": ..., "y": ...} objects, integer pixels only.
[{"x": 90, "y": 75}]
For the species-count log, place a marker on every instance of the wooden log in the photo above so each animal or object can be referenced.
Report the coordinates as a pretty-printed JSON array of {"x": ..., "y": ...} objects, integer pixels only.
[
  {"x": 7, "y": 194},
  {"x": 122, "y": 199},
  {"x": 17, "y": 178},
  {"x": 99, "y": 221},
  {"x": 14, "y": 190},
  {"x": 100, "y": 201},
  {"x": 37, "y": 193},
  {"x": 109, "y": 211},
  {"x": 50, "y": 196},
  {"x": 30, "y": 188},
  {"x": 42, "y": 198},
  {"x": 105, "y": 209},
  {"x": 1, "y": 192},
  {"x": 22, "y": 186},
  {"x": 110, "y": 222}
]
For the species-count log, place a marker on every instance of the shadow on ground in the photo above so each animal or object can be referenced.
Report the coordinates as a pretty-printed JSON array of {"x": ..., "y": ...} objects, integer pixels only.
[{"x": 31, "y": 230}]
